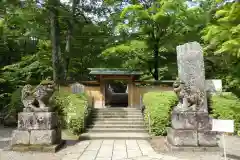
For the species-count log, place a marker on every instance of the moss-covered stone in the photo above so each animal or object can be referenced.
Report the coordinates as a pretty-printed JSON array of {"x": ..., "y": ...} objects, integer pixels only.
[
  {"x": 38, "y": 148},
  {"x": 46, "y": 82},
  {"x": 20, "y": 148}
]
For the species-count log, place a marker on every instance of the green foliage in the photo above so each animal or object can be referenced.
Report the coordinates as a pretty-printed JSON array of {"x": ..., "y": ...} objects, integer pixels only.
[
  {"x": 135, "y": 34},
  {"x": 16, "y": 103},
  {"x": 5, "y": 92},
  {"x": 73, "y": 110},
  {"x": 158, "y": 106},
  {"x": 132, "y": 54},
  {"x": 46, "y": 82},
  {"x": 226, "y": 106},
  {"x": 223, "y": 35},
  {"x": 15, "y": 106},
  {"x": 29, "y": 70},
  {"x": 147, "y": 30},
  {"x": 25, "y": 44},
  {"x": 222, "y": 43}
]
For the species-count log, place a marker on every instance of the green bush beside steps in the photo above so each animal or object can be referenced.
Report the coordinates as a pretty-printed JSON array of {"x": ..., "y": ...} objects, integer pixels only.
[
  {"x": 73, "y": 110},
  {"x": 158, "y": 106}
]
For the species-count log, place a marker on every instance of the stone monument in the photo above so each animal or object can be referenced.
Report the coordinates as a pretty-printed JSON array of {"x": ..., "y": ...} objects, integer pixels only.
[
  {"x": 77, "y": 88},
  {"x": 38, "y": 127},
  {"x": 191, "y": 124}
]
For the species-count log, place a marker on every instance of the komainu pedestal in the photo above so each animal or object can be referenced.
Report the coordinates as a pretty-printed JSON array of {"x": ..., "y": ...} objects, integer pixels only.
[
  {"x": 191, "y": 125},
  {"x": 38, "y": 128},
  {"x": 191, "y": 129}
]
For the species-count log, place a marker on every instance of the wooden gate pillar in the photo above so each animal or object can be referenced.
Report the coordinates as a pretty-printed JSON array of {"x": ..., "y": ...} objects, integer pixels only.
[
  {"x": 102, "y": 90},
  {"x": 130, "y": 93}
]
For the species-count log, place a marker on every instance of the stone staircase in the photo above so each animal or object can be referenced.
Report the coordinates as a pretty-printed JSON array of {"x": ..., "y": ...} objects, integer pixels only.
[{"x": 116, "y": 123}]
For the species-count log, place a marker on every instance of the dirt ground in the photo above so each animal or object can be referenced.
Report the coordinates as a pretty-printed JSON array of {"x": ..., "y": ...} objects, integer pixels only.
[{"x": 158, "y": 144}]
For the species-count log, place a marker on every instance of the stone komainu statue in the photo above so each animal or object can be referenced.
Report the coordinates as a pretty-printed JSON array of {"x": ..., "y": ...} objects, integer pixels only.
[
  {"x": 190, "y": 98},
  {"x": 36, "y": 99}
]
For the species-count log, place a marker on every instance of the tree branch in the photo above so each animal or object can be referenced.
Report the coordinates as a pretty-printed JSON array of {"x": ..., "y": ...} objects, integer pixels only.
[{"x": 76, "y": 15}]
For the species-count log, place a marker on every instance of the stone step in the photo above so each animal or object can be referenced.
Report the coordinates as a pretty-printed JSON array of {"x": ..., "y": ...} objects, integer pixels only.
[
  {"x": 117, "y": 109},
  {"x": 115, "y": 135},
  {"x": 116, "y": 123},
  {"x": 104, "y": 130},
  {"x": 124, "y": 122},
  {"x": 108, "y": 110},
  {"x": 117, "y": 126},
  {"x": 118, "y": 119},
  {"x": 116, "y": 116}
]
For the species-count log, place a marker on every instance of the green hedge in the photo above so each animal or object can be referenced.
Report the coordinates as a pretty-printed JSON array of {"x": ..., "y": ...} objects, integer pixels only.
[
  {"x": 159, "y": 106},
  {"x": 73, "y": 109},
  {"x": 226, "y": 106}
]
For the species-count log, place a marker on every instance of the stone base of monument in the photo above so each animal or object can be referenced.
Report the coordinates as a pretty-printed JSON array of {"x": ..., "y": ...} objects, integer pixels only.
[
  {"x": 172, "y": 148},
  {"x": 38, "y": 148},
  {"x": 37, "y": 131},
  {"x": 191, "y": 131}
]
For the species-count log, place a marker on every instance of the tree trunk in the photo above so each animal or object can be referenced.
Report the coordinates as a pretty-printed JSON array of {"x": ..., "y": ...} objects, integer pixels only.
[
  {"x": 55, "y": 31},
  {"x": 156, "y": 59},
  {"x": 66, "y": 58}
]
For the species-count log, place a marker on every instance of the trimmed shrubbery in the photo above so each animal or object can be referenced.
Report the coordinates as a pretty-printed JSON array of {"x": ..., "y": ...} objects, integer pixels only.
[
  {"x": 73, "y": 109},
  {"x": 226, "y": 106},
  {"x": 159, "y": 106}
]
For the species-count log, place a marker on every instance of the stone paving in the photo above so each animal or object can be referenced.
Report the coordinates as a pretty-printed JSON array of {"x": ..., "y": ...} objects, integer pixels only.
[
  {"x": 106, "y": 150},
  {"x": 110, "y": 150},
  {"x": 102, "y": 150}
]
